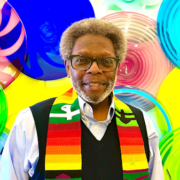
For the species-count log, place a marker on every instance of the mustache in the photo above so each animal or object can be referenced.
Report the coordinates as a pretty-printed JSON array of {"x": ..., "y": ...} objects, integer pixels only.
[{"x": 95, "y": 82}]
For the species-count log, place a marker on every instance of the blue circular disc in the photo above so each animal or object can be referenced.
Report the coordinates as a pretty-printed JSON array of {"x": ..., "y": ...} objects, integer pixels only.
[
  {"x": 133, "y": 99},
  {"x": 44, "y": 22},
  {"x": 145, "y": 101},
  {"x": 168, "y": 28}
]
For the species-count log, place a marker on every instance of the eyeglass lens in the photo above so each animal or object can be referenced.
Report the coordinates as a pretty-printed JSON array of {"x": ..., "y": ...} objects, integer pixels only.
[{"x": 83, "y": 63}]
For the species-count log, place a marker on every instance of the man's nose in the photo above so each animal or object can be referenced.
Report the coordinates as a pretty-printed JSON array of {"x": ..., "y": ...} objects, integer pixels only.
[{"x": 94, "y": 69}]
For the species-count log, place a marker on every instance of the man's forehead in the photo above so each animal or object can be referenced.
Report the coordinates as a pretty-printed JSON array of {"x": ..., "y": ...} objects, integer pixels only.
[
  {"x": 85, "y": 52},
  {"x": 93, "y": 45}
]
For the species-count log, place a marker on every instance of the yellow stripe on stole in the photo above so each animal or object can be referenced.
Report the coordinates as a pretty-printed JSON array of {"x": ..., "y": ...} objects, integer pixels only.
[
  {"x": 63, "y": 166},
  {"x": 134, "y": 161},
  {"x": 136, "y": 166},
  {"x": 56, "y": 158},
  {"x": 136, "y": 157}
]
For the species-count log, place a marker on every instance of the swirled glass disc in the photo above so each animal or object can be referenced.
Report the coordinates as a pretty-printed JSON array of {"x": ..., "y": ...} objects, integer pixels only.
[
  {"x": 168, "y": 28},
  {"x": 45, "y": 21},
  {"x": 169, "y": 148},
  {"x": 149, "y": 8},
  {"x": 13, "y": 45},
  {"x": 148, "y": 103},
  {"x": 144, "y": 54}
]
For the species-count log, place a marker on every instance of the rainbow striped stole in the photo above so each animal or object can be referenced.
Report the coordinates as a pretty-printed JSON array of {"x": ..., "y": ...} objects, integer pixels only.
[
  {"x": 63, "y": 158},
  {"x": 134, "y": 161}
]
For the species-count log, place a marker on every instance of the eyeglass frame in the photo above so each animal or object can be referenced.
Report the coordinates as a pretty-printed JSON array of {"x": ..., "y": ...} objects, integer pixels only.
[{"x": 92, "y": 60}]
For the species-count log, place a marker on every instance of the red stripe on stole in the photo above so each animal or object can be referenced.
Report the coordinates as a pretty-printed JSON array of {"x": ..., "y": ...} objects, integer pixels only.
[
  {"x": 66, "y": 141},
  {"x": 64, "y": 126},
  {"x": 68, "y": 133},
  {"x": 128, "y": 128},
  {"x": 132, "y": 132},
  {"x": 131, "y": 141}
]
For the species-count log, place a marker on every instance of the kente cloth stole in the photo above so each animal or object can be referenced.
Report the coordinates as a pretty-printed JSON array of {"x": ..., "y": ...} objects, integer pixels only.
[{"x": 63, "y": 148}]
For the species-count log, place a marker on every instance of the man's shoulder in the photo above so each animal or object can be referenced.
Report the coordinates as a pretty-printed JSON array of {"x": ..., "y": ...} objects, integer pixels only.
[
  {"x": 45, "y": 103},
  {"x": 41, "y": 106},
  {"x": 42, "y": 109}
]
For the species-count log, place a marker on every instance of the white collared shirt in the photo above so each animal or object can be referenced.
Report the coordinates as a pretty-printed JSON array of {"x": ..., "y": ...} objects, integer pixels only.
[
  {"x": 21, "y": 152},
  {"x": 97, "y": 128}
]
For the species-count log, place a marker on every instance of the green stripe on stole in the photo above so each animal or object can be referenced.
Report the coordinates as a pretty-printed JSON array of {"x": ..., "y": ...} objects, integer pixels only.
[{"x": 65, "y": 162}]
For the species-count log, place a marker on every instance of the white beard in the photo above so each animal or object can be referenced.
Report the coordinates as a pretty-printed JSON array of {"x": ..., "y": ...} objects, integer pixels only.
[{"x": 96, "y": 99}]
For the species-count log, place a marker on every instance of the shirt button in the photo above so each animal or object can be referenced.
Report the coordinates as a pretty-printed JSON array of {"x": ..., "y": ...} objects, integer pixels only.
[
  {"x": 87, "y": 108},
  {"x": 95, "y": 127}
]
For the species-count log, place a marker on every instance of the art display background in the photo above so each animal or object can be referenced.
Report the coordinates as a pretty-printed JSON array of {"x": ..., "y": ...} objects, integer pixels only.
[{"x": 31, "y": 69}]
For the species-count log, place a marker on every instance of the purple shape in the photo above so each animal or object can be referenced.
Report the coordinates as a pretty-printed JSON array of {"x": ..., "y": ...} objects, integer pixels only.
[
  {"x": 143, "y": 177},
  {"x": 136, "y": 171},
  {"x": 63, "y": 176}
]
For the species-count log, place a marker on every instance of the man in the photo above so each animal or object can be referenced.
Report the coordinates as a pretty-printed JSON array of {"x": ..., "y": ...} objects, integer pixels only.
[{"x": 86, "y": 133}]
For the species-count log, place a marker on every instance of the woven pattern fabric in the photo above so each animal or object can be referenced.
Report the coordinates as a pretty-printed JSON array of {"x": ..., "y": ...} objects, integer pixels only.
[
  {"x": 134, "y": 161},
  {"x": 63, "y": 149}
]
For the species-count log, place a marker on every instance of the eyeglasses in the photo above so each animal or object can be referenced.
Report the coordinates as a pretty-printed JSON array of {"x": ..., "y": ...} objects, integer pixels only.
[{"x": 83, "y": 63}]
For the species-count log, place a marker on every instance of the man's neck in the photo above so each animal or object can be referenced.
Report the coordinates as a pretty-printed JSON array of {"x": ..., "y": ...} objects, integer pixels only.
[{"x": 100, "y": 110}]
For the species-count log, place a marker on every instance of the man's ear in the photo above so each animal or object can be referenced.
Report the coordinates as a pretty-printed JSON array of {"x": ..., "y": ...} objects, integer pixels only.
[{"x": 67, "y": 65}]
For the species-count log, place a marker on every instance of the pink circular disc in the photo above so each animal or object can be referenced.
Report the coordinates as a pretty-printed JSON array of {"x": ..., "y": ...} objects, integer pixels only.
[
  {"x": 13, "y": 45},
  {"x": 145, "y": 65}
]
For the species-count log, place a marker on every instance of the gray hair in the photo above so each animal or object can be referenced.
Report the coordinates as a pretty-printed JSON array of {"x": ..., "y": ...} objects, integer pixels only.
[{"x": 93, "y": 26}]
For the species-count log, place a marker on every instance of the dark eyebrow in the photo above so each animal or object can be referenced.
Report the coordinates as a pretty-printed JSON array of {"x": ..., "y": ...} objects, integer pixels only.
[{"x": 106, "y": 54}]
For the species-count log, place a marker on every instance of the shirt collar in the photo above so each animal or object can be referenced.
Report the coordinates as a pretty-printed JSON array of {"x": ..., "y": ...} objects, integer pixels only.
[{"x": 87, "y": 111}]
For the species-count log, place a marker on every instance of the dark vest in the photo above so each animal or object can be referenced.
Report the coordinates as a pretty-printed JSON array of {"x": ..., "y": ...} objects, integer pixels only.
[{"x": 101, "y": 159}]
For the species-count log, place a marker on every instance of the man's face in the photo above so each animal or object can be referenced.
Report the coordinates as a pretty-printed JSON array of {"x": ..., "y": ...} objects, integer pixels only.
[{"x": 92, "y": 85}]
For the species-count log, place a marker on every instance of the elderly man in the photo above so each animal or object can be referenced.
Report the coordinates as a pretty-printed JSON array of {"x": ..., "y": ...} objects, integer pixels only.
[{"x": 86, "y": 133}]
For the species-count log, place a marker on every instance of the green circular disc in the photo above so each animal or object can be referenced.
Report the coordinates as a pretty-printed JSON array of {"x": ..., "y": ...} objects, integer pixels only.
[
  {"x": 3, "y": 110},
  {"x": 169, "y": 148}
]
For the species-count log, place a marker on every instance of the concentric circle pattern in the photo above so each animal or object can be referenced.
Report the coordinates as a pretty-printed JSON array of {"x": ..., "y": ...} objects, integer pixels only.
[
  {"x": 148, "y": 103},
  {"x": 141, "y": 67},
  {"x": 12, "y": 44},
  {"x": 135, "y": 99},
  {"x": 45, "y": 21},
  {"x": 149, "y": 8},
  {"x": 168, "y": 29},
  {"x": 170, "y": 154}
]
